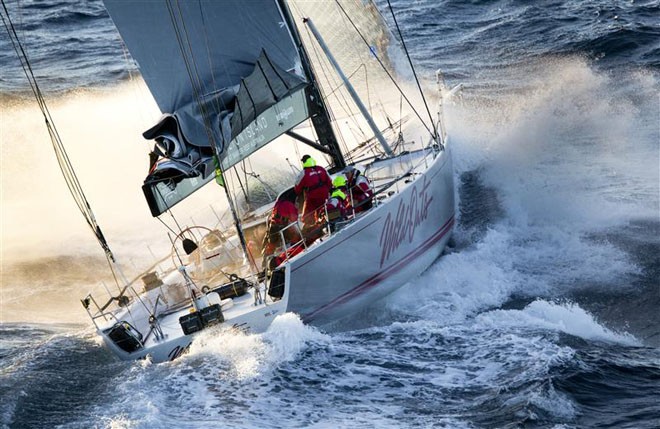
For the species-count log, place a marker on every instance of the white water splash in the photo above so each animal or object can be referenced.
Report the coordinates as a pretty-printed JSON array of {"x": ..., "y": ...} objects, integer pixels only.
[
  {"x": 571, "y": 147},
  {"x": 567, "y": 318},
  {"x": 250, "y": 355}
]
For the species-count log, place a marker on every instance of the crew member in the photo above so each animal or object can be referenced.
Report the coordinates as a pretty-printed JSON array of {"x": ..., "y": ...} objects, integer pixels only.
[
  {"x": 361, "y": 193},
  {"x": 336, "y": 208},
  {"x": 314, "y": 184},
  {"x": 283, "y": 215}
]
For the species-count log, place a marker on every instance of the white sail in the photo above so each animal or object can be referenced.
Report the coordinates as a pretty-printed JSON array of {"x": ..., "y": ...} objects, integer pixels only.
[
  {"x": 369, "y": 55},
  {"x": 378, "y": 246}
]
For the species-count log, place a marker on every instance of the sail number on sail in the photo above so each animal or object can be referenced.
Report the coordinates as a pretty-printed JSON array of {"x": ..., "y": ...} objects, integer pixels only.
[{"x": 254, "y": 131}]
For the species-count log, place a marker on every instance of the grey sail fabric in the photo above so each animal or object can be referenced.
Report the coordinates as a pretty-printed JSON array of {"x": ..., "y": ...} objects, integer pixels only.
[
  {"x": 269, "y": 102},
  {"x": 267, "y": 85},
  {"x": 194, "y": 56},
  {"x": 190, "y": 51}
]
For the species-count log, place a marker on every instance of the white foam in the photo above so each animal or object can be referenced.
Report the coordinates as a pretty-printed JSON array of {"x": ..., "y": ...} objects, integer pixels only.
[
  {"x": 569, "y": 146},
  {"x": 287, "y": 337},
  {"x": 119, "y": 422},
  {"x": 248, "y": 355},
  {"x": 225, "y": 379},
  {"x": 510, "y": 260},
  {"x": 239, "y": 353},
  {"x": 568, "y": 318},
  {"x": 555, "y": 403},
  {"x": 461, "y": 284},
  {"x": 569, "y": 156}
]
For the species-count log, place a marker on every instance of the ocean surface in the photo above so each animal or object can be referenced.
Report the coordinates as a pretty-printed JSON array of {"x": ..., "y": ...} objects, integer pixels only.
[{"x": 544, "y": 312}]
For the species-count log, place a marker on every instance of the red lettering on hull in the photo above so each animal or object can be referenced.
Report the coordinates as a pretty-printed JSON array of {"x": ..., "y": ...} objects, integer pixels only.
[{"x": 409, "y": 216}]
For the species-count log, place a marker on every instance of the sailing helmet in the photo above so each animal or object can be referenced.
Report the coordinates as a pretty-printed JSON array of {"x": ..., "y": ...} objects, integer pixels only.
[
  {"x": 308, "y": 161},
  {"x": 339, "y": 181}
]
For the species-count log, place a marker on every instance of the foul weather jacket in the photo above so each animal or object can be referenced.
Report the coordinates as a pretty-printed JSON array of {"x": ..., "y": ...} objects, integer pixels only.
[{"x": 315, "y": 184}]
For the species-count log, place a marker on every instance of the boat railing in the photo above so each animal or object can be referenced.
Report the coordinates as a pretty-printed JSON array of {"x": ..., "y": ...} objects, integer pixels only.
[
  {"x": 408, "y": 163},
  {"x": 287, "y": 249},
  {"x": 136, "y": 306},
  {"x": 114, "y": 305},
  {"x": 295, "y": 226},
  {"x": 409, "y": 170}
]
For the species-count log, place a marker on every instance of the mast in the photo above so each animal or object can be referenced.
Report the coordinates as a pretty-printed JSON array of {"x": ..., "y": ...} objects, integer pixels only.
[
  {"x": 320, "y": 116},
  {"x": 349, "y": 87}
]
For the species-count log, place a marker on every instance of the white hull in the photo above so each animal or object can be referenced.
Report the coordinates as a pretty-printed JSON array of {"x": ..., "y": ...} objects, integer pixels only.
[
  {"x": 245, "y": 316},
  {"x": 378, "y": 252},
  {"x": 369, "y": 258}
]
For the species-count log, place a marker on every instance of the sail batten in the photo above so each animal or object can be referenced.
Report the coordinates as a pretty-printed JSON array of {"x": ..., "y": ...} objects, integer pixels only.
[
  {"x": 222, "y": 39},
  {"x": 190, "y": 52},
  {"x": 217, "y": 70}
]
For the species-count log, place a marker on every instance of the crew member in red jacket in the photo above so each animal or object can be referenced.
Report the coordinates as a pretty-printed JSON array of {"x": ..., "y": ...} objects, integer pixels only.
[
  {"x": 360, "y": 191},
  {"x": 314, "y": 184},
  {"x": 284, "y": 214},
  {"x": 336, "y": 208}
]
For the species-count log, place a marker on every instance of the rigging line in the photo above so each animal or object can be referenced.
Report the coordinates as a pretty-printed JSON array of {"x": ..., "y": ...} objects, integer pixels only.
[
  {"x": 313, "y": 67},
  {"x": 339, "y": 137},
  {"x": 400, "y": 113},
  {"x": 217, "y": 100},
  {"x": 363, "y": 60},
  {"x": 433, "y": 133},
  {"x": 341, "y": 101},
  {"x": 166, "y": 225},
  {"x": 349, "y": 76},
  {"x": 193, "y": 72},
  {"x": 64, "y": 162},
  {"x": 330, "y": 110},
  {"x": 27, "y": 69},
  {"x": 403, "y": 42},
  {"x": 245, "y": 177},
  {"x": 112, "y": 271},
  {"x": 322, "y": 120},
  {"x": 240, "y": 183},
  {"x": 194, "y": 77},
  {"x": 171, "y": 213},
  {"x": 204, "y": 112},
  {"x": 366, "y": 83}
]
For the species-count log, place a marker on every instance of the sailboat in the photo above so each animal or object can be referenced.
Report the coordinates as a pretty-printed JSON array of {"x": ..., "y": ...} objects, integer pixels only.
[{"x": 233, "y": 78}]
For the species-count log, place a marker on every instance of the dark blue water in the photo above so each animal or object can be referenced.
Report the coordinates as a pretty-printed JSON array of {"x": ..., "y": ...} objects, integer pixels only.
[{"x": 544, "y": 313}]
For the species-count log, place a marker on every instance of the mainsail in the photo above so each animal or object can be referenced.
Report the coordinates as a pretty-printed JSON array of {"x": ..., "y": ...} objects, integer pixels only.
[
  {"x": 230, "y": 76},
  {"x": 216, "y": 69}
]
